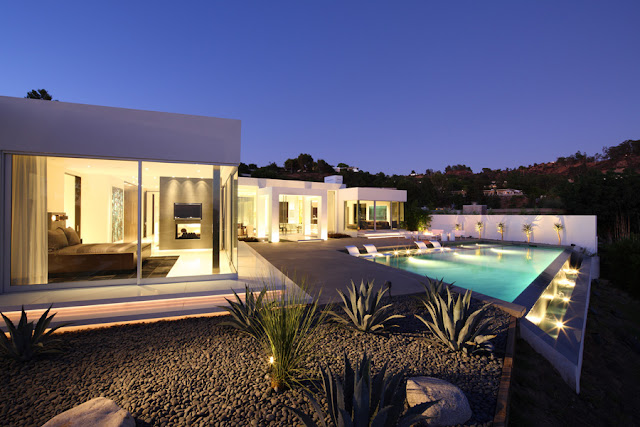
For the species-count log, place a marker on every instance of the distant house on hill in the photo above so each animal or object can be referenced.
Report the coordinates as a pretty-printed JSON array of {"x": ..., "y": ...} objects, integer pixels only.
[
  {"x": 503, "y": 192},
  {"x": 348, "y": 168}
]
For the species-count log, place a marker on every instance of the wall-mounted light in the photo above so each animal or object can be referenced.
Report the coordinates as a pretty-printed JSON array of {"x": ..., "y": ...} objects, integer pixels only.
[{"x": 59, "y": 217}]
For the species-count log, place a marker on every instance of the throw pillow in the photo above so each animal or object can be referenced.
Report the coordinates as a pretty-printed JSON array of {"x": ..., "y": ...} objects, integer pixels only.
[
  {"x": 57, "y": 239},
  {"x": 72, "y": 236}
]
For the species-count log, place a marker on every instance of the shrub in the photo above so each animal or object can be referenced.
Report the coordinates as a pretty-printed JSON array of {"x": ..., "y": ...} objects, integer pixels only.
[
  {"x": 620, "y": 263},
  {"x": 528, "y": 230},
  {"x": 338, "y": 236},
  {"x": 455, "y": 326},
  {"x": 360, "y": 400},
  {"x": 364, "y": 309},
  {"x": 290, "y": 334},
  {"x": 26, "y": 341},
  {"x": 245, "y": 316}
]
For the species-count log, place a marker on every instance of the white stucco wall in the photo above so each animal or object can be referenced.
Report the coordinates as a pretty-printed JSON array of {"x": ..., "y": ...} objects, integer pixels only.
[
  {"x": 35, "y": 126},
  {"x": 580, "y": 230}
]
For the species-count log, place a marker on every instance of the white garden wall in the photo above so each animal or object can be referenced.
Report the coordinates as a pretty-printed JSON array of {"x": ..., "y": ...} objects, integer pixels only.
[{"x": 580, "y": 230}]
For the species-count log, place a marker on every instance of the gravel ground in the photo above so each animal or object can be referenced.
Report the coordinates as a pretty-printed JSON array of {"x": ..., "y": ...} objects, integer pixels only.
[{"x": 197, "y": 372}]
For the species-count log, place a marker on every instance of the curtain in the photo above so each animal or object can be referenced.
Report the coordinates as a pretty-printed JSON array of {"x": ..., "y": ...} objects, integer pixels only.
[{"x": 29, "y": 258}]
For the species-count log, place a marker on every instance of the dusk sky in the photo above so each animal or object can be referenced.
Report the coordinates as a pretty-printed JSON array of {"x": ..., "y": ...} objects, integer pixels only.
[{"x": 386, "y": 86}]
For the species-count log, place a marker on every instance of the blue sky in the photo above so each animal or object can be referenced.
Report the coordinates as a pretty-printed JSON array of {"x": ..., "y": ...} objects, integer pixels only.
[{"x": 385, "y": 86}]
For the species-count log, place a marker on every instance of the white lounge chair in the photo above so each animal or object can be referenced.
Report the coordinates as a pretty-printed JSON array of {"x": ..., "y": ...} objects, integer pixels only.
[
  {"x": 422, "y": 246},
  {"x": 372, "y": 250},
  {"x": 354, "y": 251},
  {"x": 438, "y": 246}
]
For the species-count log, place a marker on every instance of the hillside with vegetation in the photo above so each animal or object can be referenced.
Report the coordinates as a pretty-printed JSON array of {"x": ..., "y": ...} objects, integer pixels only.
[{"x": 606, "y": 184}]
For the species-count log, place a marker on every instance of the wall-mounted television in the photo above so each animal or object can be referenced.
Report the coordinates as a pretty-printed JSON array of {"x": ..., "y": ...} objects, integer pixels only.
[{"x": 187, "y": 210}]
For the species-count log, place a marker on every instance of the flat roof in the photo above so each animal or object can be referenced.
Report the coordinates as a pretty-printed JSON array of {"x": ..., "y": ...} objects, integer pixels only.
[{"x": 63, "y": 128}]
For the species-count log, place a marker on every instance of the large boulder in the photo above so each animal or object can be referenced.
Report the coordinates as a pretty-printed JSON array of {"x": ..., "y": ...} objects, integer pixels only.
[
  {"x": 453, "y": 407},
  {"x": 100, "y": 411}
]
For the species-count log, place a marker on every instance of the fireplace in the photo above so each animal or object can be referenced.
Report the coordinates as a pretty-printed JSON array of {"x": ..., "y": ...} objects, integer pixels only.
[{"x": 185, "y": 231}]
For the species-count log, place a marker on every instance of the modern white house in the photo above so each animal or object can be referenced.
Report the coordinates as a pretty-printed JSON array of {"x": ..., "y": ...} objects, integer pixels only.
[
  {"x": 276, "y": 209},
  {"x": 103, "y": 207},
  {"x": 95, "y": 196}
]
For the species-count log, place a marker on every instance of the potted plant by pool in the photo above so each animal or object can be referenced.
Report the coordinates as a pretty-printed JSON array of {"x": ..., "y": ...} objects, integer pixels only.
[
  {"x": 479, "y": 227},
  {"x": 501, "y": 227},
  {"x": 558, "y": 227},
  {"x": 528, "y": 230}
]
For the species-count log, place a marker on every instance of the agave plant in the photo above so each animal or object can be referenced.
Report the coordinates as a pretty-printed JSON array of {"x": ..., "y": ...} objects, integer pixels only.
[
  {"x": 453, "y": 323},
  {"x": 290, "y": 328},
  {"x": 365, "y": 310},
  {"x": 26, "y": 341},
  {"x": 501, "y": 228},
  {"x": 245, "y": 316},
  {"x": 528, "y": 230},
  {"x": 360, "y": 400},
  {"x": 558, "y": 227},
  {"x": 433, "y": 288},
  {"x": 479, "y": 227}
]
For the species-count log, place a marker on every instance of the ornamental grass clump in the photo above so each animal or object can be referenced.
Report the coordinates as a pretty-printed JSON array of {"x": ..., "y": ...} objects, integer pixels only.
[
  {"x": 453, "y": 323},
  {"x": 558, "y": 227},
  {"x": 27, "y": 341},
  {"x": 245, "y": 316},
  {"x": 290, "y": 326},
  {"x": 362, "y": 400},
  {"x": 364, "y": 309},
  {"x": 528, "y": 231}
]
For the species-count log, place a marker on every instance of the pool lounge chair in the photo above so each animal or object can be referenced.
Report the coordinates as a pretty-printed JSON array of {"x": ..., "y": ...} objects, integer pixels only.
[
  {"x": 354, "y": 251},
  {"x": 438, "y": 246},
  {"x": 422, "y": 246},
  {"x": 372, "y": 250}
]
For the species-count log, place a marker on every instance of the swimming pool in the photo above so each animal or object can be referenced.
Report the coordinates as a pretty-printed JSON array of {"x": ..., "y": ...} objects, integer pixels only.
[{"x": 501, "y": 272}]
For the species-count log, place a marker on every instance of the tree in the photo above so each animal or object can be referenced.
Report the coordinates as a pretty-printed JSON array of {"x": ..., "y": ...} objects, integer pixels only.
[
  {"x": 243, "y": 168},
  {"x": 305, "y": 161},
  {"x": 291, "y": 164},
  {"x": 39, "y": 94},
  {"x": 343, "y": 165},
  {"x": 324, "y": 167}
]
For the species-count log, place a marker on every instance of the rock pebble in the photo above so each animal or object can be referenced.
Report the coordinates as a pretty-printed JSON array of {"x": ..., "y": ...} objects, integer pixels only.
[{"x": 198, "y": 372}]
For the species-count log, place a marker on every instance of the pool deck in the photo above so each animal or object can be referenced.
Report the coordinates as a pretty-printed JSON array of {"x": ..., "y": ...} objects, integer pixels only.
[{"x": 326, "y": 268}]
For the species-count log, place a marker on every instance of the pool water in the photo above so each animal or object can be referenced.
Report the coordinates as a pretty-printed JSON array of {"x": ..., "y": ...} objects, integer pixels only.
[{"x": 501, "y": 272}]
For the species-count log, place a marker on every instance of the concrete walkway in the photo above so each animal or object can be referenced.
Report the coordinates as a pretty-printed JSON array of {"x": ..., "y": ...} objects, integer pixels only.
[{"x": 326, "y": 269}]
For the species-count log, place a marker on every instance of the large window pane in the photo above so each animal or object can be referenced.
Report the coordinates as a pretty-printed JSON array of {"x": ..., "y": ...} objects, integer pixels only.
[
  {"x": 183, "y": 216},
  {"x": 247, "y": 205},
  {"x": 73, "y": 219}
]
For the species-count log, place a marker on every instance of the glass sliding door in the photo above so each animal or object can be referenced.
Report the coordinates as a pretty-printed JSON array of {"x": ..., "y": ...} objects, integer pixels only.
[
  {"x": 247, "y": 207},
  {"x": 77, "y": 220},
  {"x": 51, "y": 242}
]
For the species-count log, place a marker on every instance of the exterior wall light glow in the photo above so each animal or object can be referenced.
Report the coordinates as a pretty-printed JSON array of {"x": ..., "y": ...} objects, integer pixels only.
[
  {"x": 566, "y": 282},
  {"x": 271, "y": 360}
]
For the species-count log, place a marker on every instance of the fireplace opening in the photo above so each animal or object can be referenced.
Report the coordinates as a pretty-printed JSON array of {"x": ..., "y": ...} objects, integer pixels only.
[{"x": 187, "y": 231}]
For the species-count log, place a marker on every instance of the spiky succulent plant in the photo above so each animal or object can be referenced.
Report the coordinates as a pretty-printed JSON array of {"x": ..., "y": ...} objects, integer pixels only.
[
  {"x": 433, "y": 288},
  {"x": 365, "y": 309},
  {"x": 453, "y": 323},
  {"x": 245, "y": 316},
  {"x": 27, "y": 341},
  {"x": 362, "y": 400}
]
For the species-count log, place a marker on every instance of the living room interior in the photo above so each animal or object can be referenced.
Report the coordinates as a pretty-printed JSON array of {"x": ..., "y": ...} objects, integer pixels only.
[{"x": 87, "y": 227}]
